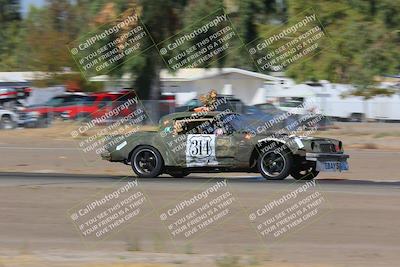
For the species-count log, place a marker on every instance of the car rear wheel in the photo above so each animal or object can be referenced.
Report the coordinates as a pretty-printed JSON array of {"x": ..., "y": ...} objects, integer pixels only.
[
  {"x": 147, "y": 162},
  {"x": 83, "y": 117},
  {"x": 275, "y": 164},
  {"x": 43, "y": 122},
  {"x": 7, "y": 123},
  {"x": 304, "y": 174}
]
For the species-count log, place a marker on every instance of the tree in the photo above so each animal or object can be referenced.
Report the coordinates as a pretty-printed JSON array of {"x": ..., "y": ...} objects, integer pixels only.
[
  {"x": 10, "y": 34},
  {"x": 47, "y": 37},
  {"x": 161, "y": 18},
  {"x": 362, "y": 43}
]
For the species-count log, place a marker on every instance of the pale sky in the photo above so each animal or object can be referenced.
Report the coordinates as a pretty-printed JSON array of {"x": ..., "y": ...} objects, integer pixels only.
[{"x": 26, "y": 3}]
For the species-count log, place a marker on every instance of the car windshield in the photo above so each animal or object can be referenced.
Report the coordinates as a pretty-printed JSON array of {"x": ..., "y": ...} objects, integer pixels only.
[
  {"x": 223, "y": 104},
  {"x": 193, "y": 102},
  {"x": 240, "y": 123},
  {"x": 88, "y": 100},
  {"x": 267, "y": 107},
  {"x": 55, "y": 101}
]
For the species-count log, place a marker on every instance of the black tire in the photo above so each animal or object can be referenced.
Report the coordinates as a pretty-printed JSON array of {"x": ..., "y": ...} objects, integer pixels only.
[
  {"x": 356, "y": 117},
  {"x": 147, "y": 162},
  {"x": 43, "y": 122},
  {"x": 305, "y": 174},
  {"x": 83, "y": 117},
  {"x": 178, "y": 174},
  {"x": 7, "y": 123},
  {"x": 275, "y": 164}
]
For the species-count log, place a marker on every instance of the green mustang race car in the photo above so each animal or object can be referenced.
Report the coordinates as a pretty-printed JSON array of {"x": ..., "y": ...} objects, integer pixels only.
[{"x": 189, "y": 142}]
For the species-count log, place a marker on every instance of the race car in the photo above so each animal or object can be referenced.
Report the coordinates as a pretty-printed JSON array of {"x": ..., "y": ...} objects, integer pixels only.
[{"x": 188, "y": 142}]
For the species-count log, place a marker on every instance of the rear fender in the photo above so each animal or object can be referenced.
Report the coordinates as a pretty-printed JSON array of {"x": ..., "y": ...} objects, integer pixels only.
[{"x": 125, "y": 147}]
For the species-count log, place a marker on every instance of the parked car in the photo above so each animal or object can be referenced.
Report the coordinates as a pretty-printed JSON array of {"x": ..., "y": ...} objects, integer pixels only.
[
  {"x": 95, "y": 105},
  {"x": 80, "y": 106},
  {"x": 269, "y": 108},
  {"x": 255, "y": 115},
  {"x": 8, "y": 119},
  {"x": 14, "y": 116},
  {"x": 224, "y": 102},
  {"x": 57, "y": 105},
  {"x": 12, "y": 93}
]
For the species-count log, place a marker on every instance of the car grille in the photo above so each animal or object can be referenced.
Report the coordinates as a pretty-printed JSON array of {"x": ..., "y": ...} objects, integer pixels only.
[{"x": 327, "y": 148}]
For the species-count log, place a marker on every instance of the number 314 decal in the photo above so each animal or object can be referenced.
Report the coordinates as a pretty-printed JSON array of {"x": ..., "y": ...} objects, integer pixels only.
[{"x": 200, "y": 150}]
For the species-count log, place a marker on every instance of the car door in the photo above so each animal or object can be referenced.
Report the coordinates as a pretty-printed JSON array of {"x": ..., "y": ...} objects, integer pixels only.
[
  {"x": 175, "y": 143},
  {"x": 102, "y": 105},
  {"x": 192, "y": 143},
  {"x": 215, "y": 143},
  {"x": 63, "y": 105},
  {"x": 226, "y": 144}
]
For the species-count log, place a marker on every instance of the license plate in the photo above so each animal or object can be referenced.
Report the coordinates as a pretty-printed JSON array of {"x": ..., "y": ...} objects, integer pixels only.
[{"x": 332, "y": 166}]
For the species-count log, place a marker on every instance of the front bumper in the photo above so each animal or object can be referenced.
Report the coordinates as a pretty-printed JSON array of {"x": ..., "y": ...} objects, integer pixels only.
[
  {"x": 326, "y": 156},
  {"x": 329, "y": 162},
  {"x": 27, "y": 121}
]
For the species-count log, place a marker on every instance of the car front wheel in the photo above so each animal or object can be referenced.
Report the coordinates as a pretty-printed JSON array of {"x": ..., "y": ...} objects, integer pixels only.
[
  {"x": 7, "y": 123},
  {"x": 275, "y": 164},
  {"x": 147, "y": 162}
]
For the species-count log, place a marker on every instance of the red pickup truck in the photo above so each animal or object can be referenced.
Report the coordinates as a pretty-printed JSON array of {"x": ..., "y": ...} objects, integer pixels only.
[{"x": 80, "y": 105}]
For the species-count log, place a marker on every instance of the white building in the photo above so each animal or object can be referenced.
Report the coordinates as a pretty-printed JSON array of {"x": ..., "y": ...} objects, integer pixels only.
[
  {"x": 15, "y": 78},
  {"x": 334, "y": 100},
  {"x": 189, "y": 83}
]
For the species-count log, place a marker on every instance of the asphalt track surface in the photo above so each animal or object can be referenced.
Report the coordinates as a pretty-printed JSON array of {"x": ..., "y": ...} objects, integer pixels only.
[
  {"x": 24, "y": 178},
  {"x": 359, "y": 226}
]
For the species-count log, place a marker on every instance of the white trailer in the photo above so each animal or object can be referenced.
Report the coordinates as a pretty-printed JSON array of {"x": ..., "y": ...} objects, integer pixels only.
[{"x": 328, "y": 99}]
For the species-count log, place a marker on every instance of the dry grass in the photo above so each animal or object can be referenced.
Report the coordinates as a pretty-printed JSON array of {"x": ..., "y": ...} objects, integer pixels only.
[
  {"x": 354, "y": 135},
  {"x": 63, "y": 130},
  {"x": 126, "y": 265},
  {"x": 369, "y": 146},
  {"x": 384, "y": 136}
]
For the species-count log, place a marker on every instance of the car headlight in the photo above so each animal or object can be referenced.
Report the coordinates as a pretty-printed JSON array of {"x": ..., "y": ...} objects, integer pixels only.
[
  {"x": 33, "y": 114},
  {"x": 312, "y": 145},
  {"x": 65, "y": 114}
]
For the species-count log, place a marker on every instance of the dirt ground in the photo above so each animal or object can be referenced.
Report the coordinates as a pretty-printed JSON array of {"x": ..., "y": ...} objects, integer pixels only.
[{"x": 357, "y": 226}]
